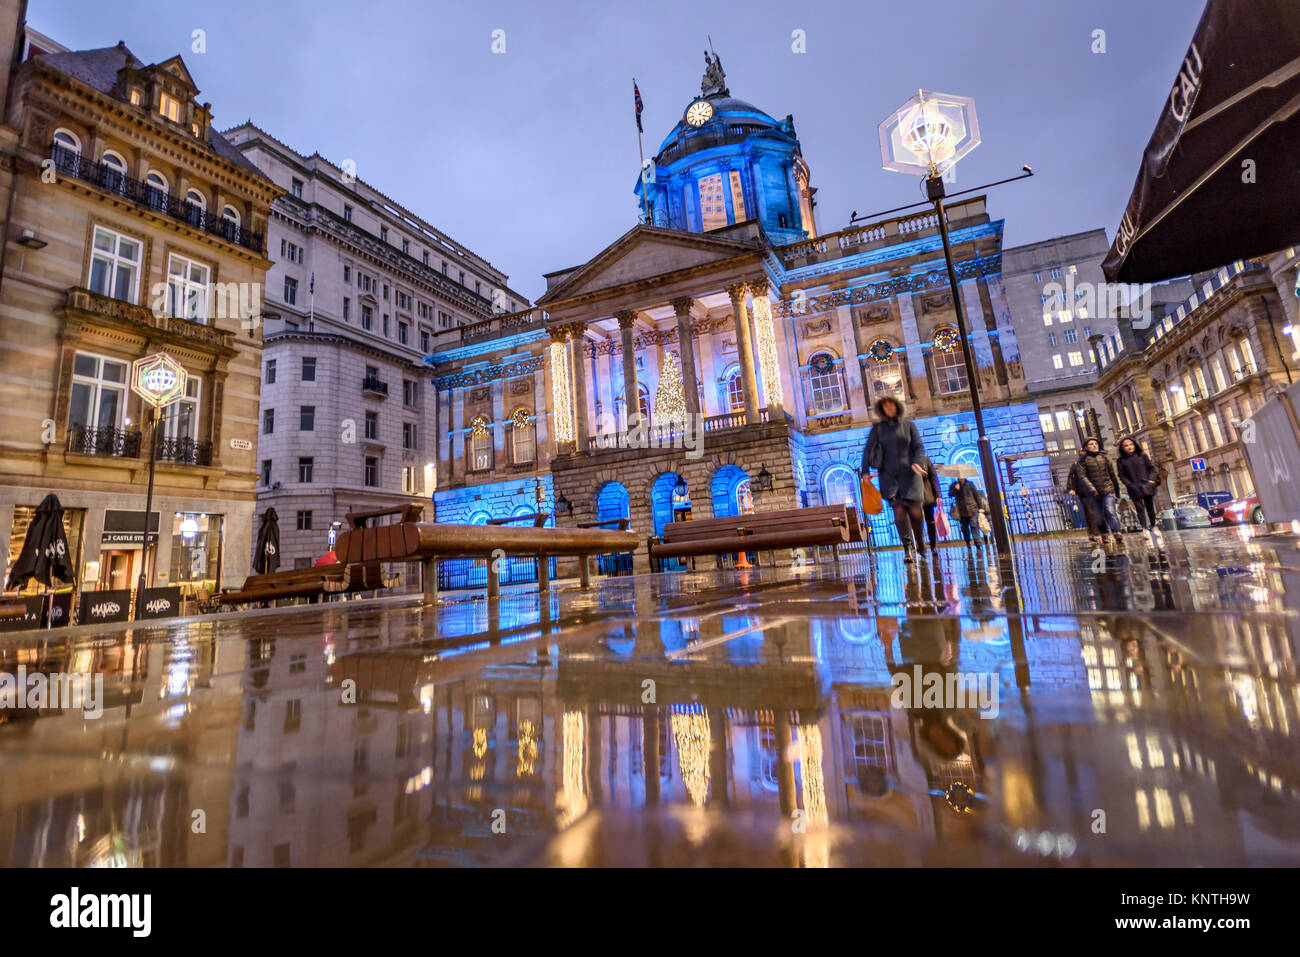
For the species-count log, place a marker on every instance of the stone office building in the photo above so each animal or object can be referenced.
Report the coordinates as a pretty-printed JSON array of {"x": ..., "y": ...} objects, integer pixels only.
[
  {"x": 358, "y": 290},
  {"x": 1183, "y": 387},
  {"x": 731, "y": 307},
  {"x": 134, "y": 228}
]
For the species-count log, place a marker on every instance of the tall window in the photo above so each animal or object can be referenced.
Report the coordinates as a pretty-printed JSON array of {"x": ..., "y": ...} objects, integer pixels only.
[
  {"x": 67, "y": 141},
  {"x": 408, "y": 479},
  {"x": 521, "y": 436},
  {"x": 307, "y": 418},
  {"x": 949, "y": 370},
  {"x": 309, "y": 369},
  {"x": 737, "y": 197},
  {"x": 735, "y": 392},
  {"x": 713, "y": 209},
  {"x": 1247, "y": 356},
  {"x": 305, "y": 467},
  {"x": 884, "y": 378},
  {"x": 409, "y": 436},
  {"x": 268, "y": 421},
  {"x": 371, "y": 477},
  {"x": 113, "y": 177},
  {"x": 181, "y": 418},
  {"x": 367, "y": 318},
  {"x": 98, "y": 392},
  {"x": 115, "y": 265},
  {"x": 187, "y": 288},
  {"x": 480, "y": 444},
  {"x": 169, "y": 107},
  {"x": 372, "y": 425},
  {"x": 155, "y": 189},
  {"x": 824, "y": 381},
  {"x": 270, "y": 372},
  {"x": 290, "y": 291}
]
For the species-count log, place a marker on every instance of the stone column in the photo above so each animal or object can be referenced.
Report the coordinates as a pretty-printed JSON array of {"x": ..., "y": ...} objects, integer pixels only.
[
  {"x": 690, "y": 382},
  {"x": 578, "y": 350},
  {"x": 631, "y": 394},
  {"x": 745, "y": 351}
]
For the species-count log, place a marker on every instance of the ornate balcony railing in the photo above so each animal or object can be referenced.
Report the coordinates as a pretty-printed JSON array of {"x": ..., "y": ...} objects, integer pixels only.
[
  {"x": 185, "y": 451},
  {"x": 372, "y": 384},
  {"x": 71, "y": 163},
  {"x": 121, "y": 443}
]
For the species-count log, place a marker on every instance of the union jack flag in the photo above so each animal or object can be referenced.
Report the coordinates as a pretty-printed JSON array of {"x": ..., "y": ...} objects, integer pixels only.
[{"x": 636, "y": 93}]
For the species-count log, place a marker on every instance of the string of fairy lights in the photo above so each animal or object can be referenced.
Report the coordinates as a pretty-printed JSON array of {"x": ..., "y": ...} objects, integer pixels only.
[{"x": 765, "y": 336}]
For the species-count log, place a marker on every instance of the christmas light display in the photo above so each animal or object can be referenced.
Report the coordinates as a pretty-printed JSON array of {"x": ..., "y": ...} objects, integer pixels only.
[
  {"x": 767, "y": 358},
  {"x": 561, "y": 393},
  {"x": 670, "y": 400}
]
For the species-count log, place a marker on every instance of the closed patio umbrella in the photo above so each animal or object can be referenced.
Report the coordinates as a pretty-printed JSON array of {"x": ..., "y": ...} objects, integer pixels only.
[
  {"x": 1220, "y": 177},
  {"x": 267, "y": 557},
  {"x": 45, "y": 549}
]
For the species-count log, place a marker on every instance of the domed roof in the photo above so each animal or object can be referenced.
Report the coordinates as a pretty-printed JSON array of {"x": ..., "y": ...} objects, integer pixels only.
[{"x": 728, "y": 114}]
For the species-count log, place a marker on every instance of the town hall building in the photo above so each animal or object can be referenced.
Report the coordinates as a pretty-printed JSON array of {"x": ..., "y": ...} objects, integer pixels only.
[{"x": 726, "y": 309}]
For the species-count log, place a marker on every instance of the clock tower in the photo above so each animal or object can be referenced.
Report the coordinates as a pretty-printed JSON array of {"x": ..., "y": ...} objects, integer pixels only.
[{"x": 727, "y": 162}]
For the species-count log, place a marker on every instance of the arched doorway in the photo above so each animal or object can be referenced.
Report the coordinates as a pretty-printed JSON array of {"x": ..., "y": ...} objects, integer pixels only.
[
  {"x": 611, "y": 506},
  {"x": 670, "y": 501},
  {"x": 730, "y": 492}
]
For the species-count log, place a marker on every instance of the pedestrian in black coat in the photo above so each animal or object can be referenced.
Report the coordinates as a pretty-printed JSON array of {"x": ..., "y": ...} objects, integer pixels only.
[
  {"x": 1141, "y": 478},
  {"x": 895, "y": 452},
  {"x": 969, "y": 501},
  {"x": 930, "y": 486}
]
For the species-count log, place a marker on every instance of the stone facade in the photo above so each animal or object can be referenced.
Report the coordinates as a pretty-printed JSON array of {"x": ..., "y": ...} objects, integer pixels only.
[
  {"x": 1184, "y": 387},
  {"x": 142, "y": 232},
  {"x": 359, "y": 289}
]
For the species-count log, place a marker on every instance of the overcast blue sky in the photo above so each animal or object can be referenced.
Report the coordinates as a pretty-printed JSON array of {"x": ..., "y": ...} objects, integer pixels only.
[{"x": 529, "y": 157}]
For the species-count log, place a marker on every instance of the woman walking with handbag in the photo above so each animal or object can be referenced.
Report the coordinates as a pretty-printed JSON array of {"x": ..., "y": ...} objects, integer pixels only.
[
  {"x": 969, "y": 504},
  {"x": 895, "y": 452},
  {"x": 1142, "y": 480}
]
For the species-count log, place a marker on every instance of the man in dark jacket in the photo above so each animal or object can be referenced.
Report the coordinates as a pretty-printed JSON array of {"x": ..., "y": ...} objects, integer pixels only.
[
  {"x": 969, "y": 502},
  {"x": 1093, "y": 479},
  {"x": 894, "y": 451}
]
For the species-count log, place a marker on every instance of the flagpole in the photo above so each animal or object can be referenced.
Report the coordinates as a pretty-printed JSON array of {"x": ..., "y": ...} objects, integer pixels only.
[
  {"x": 645, "y": 206},
  {"x": 311, "y": 318}
]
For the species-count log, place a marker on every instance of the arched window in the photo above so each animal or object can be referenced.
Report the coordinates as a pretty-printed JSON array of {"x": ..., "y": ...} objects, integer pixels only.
[
  {"x": 195, "y": 207},
  {"x": 480, "y": 444},
  {"x": 884, "y": 371},
  {"x": 230, "y": 215},
  {"x": 479, "y": 518},
  {"x": 521, "y": 436},
  {"x": 824, "y": 384},
  {"x": 67, "y": 140},
  {"x": 195, "y": 198},
  {"x": 744, "y": 498},
  {"x": 643, "y": 401},
  {"x": 112, "y": 175},
  {"x": 948, "y": 362},
  {"x": 155, "y": 189},
  {"x": 840, "y": 486}
]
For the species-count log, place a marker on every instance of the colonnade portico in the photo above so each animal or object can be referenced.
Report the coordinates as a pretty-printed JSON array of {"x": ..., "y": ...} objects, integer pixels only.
[{"x": 573, "y": 344}]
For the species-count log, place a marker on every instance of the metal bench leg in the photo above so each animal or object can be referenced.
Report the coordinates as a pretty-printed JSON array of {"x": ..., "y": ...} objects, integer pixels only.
[
  {"x": 544, "y": 574},
  {"x": 494, "y": 579},
  {"x": 584, "y": 571},
  {"x": 430, "y": 567}
]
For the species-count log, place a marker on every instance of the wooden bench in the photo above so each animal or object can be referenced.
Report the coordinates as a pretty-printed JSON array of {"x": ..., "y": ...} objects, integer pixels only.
[
  {"x": 538, "y": 520},
  {"x": 341, "y": 578},
  {"x": 409, "y": 512},
  {"x": 429, "y": 543},
  {"x": 760, "y": 531}
]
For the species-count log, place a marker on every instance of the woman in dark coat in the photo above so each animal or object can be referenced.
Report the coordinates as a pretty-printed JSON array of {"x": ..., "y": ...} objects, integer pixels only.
[
  {"x": 930, "y": 485},
  {"x": 895, "y": 452},
  {"x": 1140, "y": 478}
]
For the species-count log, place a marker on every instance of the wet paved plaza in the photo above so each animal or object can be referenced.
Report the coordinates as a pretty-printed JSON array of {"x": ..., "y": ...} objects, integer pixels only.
[{"x": 1145, "y": 714}]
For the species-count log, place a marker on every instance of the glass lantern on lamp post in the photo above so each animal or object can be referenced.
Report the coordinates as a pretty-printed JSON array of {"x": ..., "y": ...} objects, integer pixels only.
[
  {"x": 927, "y": 136},
  {"x": 158, "y": 380}
]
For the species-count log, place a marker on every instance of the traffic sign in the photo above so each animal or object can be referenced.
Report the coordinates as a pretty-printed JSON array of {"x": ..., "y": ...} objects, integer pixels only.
[{"x": 1198, "y": 465}]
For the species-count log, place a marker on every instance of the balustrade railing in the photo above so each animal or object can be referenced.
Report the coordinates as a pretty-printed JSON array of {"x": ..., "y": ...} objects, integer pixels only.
[
  {"x": 84, "y": 440},
  {"x": 184, "y": 451}
]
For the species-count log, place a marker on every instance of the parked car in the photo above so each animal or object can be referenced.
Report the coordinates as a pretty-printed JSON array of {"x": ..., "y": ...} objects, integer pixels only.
[
  {"x": 1238, "y": 512},
  {"x": 1183, "y": 515}
]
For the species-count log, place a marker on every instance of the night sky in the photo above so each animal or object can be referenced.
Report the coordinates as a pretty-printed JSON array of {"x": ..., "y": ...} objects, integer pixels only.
[{"x": 529, "y": 157}]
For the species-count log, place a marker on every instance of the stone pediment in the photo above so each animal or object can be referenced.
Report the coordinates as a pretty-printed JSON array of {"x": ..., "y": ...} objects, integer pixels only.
[
  {"x": 644, "y": 253},
  {"x": 175, "y": 68}
]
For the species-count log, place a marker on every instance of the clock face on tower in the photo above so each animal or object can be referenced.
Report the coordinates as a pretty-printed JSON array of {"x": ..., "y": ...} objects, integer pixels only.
[{"x": 699, "y": 113}]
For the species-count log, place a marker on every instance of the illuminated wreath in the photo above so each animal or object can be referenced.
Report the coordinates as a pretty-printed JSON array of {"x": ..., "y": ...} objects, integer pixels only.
[
  {"x": 479, "y": 425},
  {"x": 946, "y": 339},
  {"x": 881, "y": 351},
  {"x": 960, "y": 797},
  {"x": 822, "y": 363},
  {"x": 520, "y": 418}
]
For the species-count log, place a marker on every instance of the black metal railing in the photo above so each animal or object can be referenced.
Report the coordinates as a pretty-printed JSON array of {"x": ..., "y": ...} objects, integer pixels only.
[
  {"x": 118, "y": 442},
  {"x": 71, "y": 163},
  {"x": 372, "y": 384},
  {"x": 184, "y": 451}
]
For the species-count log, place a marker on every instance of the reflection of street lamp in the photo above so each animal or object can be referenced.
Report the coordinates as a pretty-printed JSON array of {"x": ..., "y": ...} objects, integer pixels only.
[
  {"x": 926, "y": 136},
  {"x": 157, "y": 379}
]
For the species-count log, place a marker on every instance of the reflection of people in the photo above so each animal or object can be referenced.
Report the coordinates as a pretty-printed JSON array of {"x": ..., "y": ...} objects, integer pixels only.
[{"x": 894, "y": 451}]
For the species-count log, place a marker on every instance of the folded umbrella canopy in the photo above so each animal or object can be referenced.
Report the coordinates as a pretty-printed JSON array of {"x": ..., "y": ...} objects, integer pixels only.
[
  {"x": 1220, "y": 178},
  {"x": 45, "y": 549},
  {"x": 267, "y": 557}
]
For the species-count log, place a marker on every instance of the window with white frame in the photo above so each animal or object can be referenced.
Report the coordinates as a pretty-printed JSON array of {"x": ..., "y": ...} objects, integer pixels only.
[
  {"x": 884, "y": 378},
  {"x": 98, "y": 399},
  {"x": 115, "y": 265},
  {"x": 713, "y": 209},
  {"x": 824, "y": 383},
  {"x": 840, "y": 486},
  {"x": 169, "y": 107},
  {"x": 67, "y": 140},
  {"x": 1247, "y": 356},
  {"x": 949, "y": 370},
  {"x": 735, "y": 392},
  {"x": 1076, "y": 358},
  {"x": 156, "y": 189},
  {"x": 1058, "y": 362},
  {"x": 480, "y": 450},
  {"x": 521, "y": 436},
  {"x": 1051, "y": 340},
  {"x": 187, "y": 288},
  {"x": 113, "y": 173},
  {"x": 181, "y": 418}
]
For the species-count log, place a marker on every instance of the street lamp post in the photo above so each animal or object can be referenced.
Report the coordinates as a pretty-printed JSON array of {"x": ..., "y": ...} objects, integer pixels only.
[
  {"x": 927, "y": 136},
  {"x": 157, "y": 379}
]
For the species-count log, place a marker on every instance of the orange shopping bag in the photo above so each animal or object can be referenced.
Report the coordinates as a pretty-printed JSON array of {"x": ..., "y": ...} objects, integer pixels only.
[{"x": 871, "y": 501}]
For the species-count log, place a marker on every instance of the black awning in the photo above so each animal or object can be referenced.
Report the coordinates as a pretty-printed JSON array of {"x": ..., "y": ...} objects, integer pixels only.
[{"x": 1236, "y": 98}]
